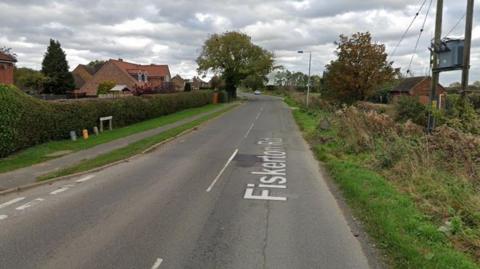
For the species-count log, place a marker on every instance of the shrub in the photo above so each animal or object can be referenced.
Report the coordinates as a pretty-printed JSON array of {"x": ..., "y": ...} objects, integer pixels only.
[
  {"x": 26, "y": 121},
  {"x": 105, "y": 86},
  {"x": 409, "y": 108},
  {"x": 461, "y": 115}
]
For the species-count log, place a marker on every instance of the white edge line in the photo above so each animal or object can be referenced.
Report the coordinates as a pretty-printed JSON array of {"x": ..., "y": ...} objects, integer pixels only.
[
  {"x": 11, "y": 202},
  {"x": 2, "y": 217},
  {"x": 83, "y": 179},
  {"x": 249, "y": 129},
  {"x": 157, "y": 263},
  {"x": 221, "y": 171}
]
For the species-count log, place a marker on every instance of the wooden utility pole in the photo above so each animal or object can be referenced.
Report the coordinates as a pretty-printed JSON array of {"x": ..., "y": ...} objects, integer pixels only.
[
  {"x": 466, "y": 48},
  {"x": 434, "y": 57}
]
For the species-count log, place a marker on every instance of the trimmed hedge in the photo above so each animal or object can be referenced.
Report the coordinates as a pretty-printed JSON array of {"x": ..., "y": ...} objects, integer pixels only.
[{"x": 26, "y": 121}]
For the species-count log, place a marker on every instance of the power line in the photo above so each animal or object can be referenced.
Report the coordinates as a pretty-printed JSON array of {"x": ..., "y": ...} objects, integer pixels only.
[
  {"x": 408, "y": 28},
  {"x": 456, "y": 24},
  {"x": 419, "y": 36}
]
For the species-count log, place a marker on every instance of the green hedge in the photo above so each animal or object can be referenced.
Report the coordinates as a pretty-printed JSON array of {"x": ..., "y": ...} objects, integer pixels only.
[{"x": 26, "y": 121}]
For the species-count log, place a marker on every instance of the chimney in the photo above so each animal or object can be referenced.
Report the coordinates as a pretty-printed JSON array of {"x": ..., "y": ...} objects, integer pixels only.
[{"x": 120, "y": 59}]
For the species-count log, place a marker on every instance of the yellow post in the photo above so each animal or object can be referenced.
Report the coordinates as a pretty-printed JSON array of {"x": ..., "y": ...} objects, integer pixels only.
[{"x": 85, "y": 134}]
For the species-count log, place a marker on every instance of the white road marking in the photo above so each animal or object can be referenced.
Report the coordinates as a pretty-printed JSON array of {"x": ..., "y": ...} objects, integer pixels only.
[
  {"x": 62, "y": 189},
  {"x": 249, "y": 129},
  {"x": 83, "y": 179},
  {"x": 2, "y": 217},
  {"x": 29, "y": 204},
  {"x": 157, "y": 263},
  {"x": 11, "y": 202},
  {"x": 221, "y": 171}
]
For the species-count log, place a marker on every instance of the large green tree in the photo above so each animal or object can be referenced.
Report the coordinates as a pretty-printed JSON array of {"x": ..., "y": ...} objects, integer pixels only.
[
  {"x": 360, "y": 69},
  {"x": 55, "y": 68},
  {"x": 233, "y": 55}
]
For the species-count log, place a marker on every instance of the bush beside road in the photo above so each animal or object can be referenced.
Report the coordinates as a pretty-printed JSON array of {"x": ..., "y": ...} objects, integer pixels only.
[
  {"x": 26, "y": 121},
  {"x": 46, "y": 151},
  {"x": 420, "y": 216}
]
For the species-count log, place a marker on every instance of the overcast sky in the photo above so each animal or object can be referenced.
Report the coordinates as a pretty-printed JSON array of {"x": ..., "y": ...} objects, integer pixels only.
[{"x": 172, "y": 32}]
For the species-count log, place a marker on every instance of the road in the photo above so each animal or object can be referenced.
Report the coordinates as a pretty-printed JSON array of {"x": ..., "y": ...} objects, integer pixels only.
[{"x": 205, "y": 200}]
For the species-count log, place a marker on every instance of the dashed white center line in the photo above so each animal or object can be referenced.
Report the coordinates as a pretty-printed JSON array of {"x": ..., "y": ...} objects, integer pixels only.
[
  {"x": 157, "y": 263},
  {"x": 221, "y": 171},
  {"x": 11, "y": 202},
  {"x": 29, "y": 204},
  {"x": 2, "y": 217},
  {"x": 249, "y": 129},
  {"x": 62, "y": 189},
  {"x": 83, "y": 179}
]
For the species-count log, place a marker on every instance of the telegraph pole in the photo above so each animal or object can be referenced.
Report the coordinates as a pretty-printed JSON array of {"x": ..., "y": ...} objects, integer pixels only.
[
  {"x": 466, "y": 48},
  {"x": 434, "y": 57},
  {"x": 308, "y": 81}
]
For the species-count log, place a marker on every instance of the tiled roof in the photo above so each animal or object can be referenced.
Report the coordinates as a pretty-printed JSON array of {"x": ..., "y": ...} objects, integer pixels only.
[
  {"x": 7, "y": 57},
  {"x": 153, "y": 70},
  {"x": 408, "y": 83}
]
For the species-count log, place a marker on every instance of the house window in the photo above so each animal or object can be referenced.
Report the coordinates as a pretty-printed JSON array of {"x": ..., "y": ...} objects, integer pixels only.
[{"x": 162, "y": 79}]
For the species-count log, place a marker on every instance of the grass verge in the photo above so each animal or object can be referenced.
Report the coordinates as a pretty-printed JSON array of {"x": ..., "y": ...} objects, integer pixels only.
[
  {"x": 406, "y": 235},
  {"x": 39, "y": 153},
  {"x": 132, "y": 149}
]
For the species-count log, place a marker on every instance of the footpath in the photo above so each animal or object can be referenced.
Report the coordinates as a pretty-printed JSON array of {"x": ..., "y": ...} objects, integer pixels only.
[{"x": 26, "y": 175}]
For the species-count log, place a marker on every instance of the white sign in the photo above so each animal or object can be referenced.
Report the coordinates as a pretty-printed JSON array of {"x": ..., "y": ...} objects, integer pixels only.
[{"x": 273, "y": 175}]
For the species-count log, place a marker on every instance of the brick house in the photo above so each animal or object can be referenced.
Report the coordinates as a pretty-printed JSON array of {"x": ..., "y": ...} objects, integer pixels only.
[
  {"x": 135, "y": 76},
  {"x": 418, "y": 86},
  {"x": 179, "y": 83},
  {"x": 7, "y": 64},
  {"x": 197, "y": 83},
  {"x": 82, "y": 74}
]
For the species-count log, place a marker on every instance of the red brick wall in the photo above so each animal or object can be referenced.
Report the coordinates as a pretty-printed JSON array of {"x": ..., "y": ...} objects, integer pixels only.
[
  {"x": 109, "y": 71},
  {"x": 6, "y": 73},
  {"x": 423, "y": 91}
]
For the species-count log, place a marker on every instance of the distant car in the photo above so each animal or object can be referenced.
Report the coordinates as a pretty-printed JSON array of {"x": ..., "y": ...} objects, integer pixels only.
[{"x": 257, "y": 92}]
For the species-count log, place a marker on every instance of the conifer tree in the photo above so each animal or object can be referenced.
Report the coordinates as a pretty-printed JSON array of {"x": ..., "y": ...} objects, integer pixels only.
[{"x": 55, "y": 68}]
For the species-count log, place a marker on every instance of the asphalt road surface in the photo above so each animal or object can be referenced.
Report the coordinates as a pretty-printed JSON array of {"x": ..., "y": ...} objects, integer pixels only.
[{"x": 242, "y": 191}]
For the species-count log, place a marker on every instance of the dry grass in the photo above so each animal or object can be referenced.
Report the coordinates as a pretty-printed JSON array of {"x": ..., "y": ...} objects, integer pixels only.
[{"x": 439, "y": 171}]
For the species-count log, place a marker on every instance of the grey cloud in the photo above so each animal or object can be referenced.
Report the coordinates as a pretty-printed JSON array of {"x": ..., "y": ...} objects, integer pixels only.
[{"x": 171, "y": 31}]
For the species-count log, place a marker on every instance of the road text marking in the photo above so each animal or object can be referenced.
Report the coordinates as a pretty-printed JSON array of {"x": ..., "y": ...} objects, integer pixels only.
[
  {"x": 157, "y": 263},
  {"x": 221, "y": 171},
  {"x": 83, "y": 179},
  {"x": 29, "y": 204},
  {"x": 273, "y": 174},
  {"x": 11, "y": 202}
]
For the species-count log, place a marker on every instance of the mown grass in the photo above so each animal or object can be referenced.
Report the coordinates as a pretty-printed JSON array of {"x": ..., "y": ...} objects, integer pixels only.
[
  {"x": 38, "y": 154},
  {"x": 403, "y": 232},
  {"x": 132, "y": 149}
]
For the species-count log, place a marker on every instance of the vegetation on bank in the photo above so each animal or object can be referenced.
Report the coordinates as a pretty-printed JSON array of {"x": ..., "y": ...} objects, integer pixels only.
[
  {"x": 416, "y": 194},
  {"x": 131, "y": 149},
  {"x": 26, "y": 121}
]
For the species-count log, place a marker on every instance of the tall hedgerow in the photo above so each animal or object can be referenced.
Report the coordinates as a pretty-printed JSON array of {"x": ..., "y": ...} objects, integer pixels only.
[{"x": 26, "y": 121}]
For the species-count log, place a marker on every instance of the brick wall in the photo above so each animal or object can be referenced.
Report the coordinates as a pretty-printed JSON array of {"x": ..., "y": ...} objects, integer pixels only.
[
  {"x": 422, "y": 90},
  {"x": 6, "y": 73}
]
